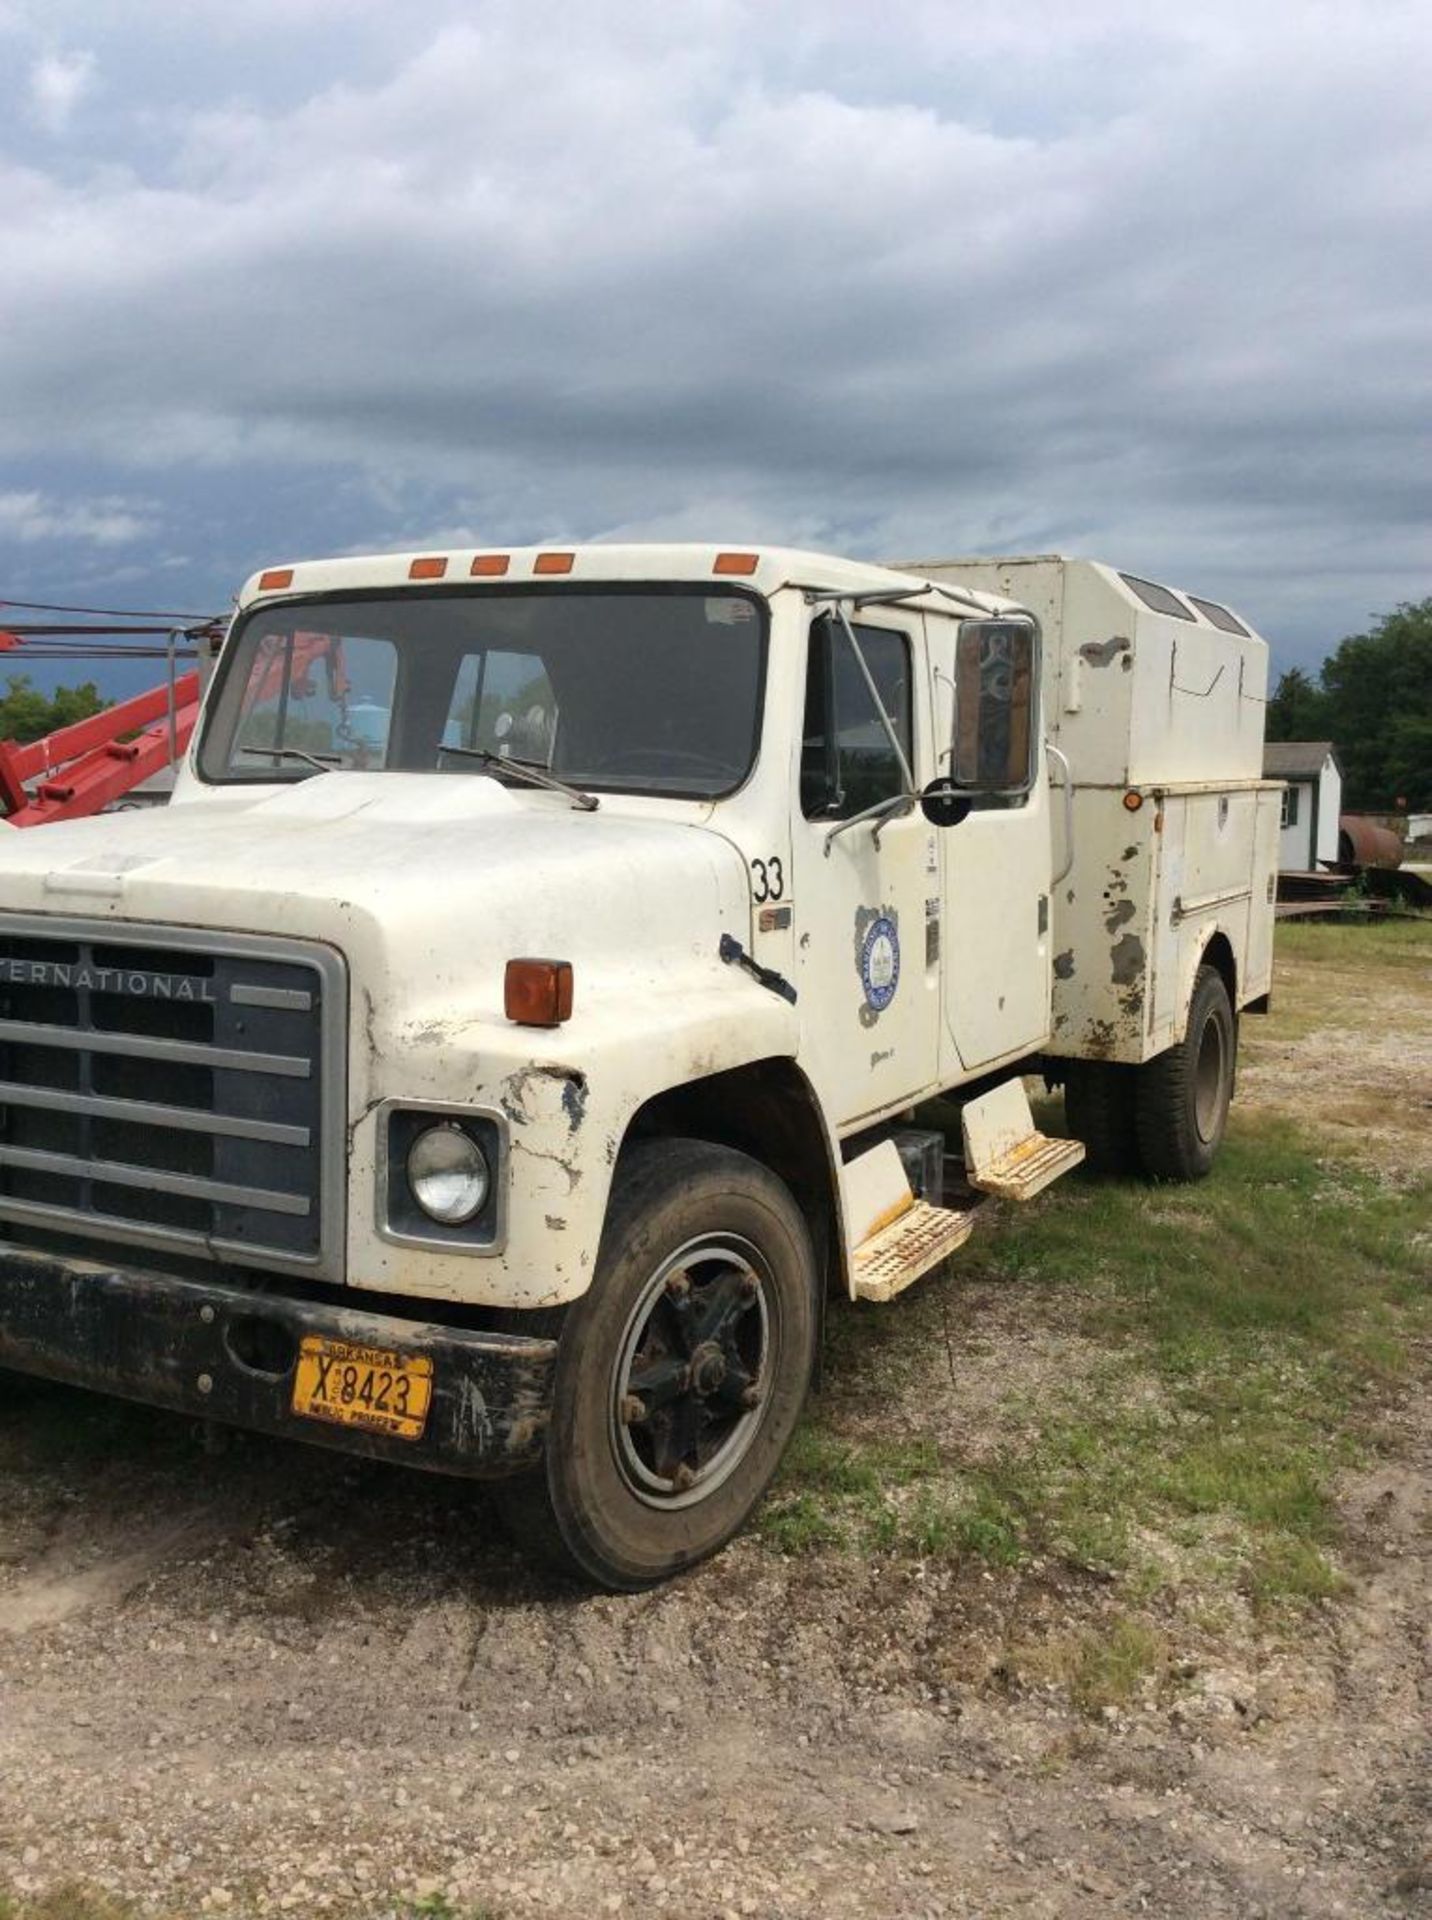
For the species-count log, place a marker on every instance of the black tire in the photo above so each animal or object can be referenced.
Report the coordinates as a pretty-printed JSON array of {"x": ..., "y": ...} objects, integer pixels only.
[
  {"x": 1183, "y": 1095},
  {"x": 1099, "y": 1098},
  {"x": 703, "y": 1313}
]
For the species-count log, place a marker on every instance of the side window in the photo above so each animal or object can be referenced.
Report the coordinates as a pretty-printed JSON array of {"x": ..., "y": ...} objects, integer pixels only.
[
  {"x": 847, "y": 762},
  {"x": 318, "y": 694},
  {"x": 1290, "y": 807},
  {"x": 504, "y": 702}
]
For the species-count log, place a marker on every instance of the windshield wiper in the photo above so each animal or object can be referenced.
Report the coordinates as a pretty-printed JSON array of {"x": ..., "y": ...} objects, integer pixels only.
[
  {"x": 296, "y": 753},
  {"x": 539, "y": 776}
]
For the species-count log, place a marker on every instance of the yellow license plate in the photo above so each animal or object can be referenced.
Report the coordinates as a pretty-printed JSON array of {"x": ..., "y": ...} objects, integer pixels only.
[{"x": 369, "y": 1387}]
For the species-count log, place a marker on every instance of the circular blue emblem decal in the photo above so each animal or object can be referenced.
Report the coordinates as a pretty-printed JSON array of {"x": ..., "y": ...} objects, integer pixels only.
[{"x": 880, "y": 963}]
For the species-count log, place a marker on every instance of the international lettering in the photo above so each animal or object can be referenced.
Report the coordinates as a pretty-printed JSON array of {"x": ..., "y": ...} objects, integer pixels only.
[{"x": 125, "y": 980}]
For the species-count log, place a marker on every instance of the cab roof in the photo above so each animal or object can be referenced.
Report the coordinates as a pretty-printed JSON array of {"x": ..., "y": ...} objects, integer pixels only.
[{"x": 765, "y": 569}]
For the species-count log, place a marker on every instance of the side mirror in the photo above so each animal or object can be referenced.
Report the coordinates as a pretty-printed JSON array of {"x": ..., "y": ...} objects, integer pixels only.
[
  {"x": 992, "y": 747},
  {"x": 944, "y": 804}
]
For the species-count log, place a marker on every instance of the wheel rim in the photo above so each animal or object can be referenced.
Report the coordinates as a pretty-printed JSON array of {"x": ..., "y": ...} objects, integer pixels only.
[
  {"x": 689, "y": 1385},
  {"x": 1208, "y": 1080}
]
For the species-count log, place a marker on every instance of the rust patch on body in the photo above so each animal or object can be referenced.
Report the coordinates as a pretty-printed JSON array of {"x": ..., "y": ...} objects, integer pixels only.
[
  {"x": 1100, "y": 1040},
  {"x": 1127, "y": 955}
]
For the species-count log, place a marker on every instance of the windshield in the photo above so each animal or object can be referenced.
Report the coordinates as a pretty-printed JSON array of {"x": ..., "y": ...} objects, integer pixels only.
[{"x": 638, "y": 690}]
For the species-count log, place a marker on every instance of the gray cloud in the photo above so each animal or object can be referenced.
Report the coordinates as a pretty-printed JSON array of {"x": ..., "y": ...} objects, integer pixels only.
[{"x": 1125, "y": 284}]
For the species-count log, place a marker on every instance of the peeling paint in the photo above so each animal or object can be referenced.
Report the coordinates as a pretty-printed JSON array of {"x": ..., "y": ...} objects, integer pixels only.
[
  {"x": 1119, "y": 915},
  {"x": 555, "y": 1223},
  {"x": 1100, "y": 1039},
  {"x": 574, "y": 1100},
  {"x": 1064, "y": 964},
  {"x": 574, "y": 1174},
  {"x": 518, "y": 1086},
  {"x": 1127, "y": 955},
  {"x": 877, "y": 1059}
]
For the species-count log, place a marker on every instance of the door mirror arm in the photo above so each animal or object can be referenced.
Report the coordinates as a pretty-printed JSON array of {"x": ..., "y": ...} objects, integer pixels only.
[{"x": 882, "y": 812}]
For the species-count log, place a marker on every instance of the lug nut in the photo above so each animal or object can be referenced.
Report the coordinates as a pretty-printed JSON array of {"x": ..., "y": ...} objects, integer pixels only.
[
  {"x": 751, "y": 1397},
  {"x": 678, "y": 1286},
  {"x": 633, "y": 1410},
  {"x": 746, "y": 1287},
  {"x": 683, "y": 1478}
]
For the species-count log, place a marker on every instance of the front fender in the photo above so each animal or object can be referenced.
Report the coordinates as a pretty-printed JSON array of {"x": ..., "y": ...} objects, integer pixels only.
[{"x": 567, "y": 1098}]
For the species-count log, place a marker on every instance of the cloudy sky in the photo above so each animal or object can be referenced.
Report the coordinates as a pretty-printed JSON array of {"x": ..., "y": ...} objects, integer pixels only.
[{"x": 1147, "y": 282}]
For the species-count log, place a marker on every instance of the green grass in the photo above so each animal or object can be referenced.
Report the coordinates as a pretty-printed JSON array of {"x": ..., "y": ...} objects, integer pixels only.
[
  {"x": 1399, "y": 944},
  {"x": 437, "y": 1906},
  {"x": 1241, "y": 1331}
]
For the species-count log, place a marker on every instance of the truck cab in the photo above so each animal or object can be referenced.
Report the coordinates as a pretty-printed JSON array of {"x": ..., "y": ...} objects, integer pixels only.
[{"x": 505, "y": 1040}]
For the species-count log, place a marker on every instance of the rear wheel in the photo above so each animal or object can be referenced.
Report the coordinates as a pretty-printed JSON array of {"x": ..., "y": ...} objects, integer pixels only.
[
  {"x": 1183, "y": 1096},
  {"x": 1099, "y": 1100},
  {"x": 682, "y": 1372}
]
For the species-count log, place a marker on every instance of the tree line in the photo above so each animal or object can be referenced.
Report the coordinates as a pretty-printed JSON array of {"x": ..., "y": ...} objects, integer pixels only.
[
  {"x": 1372, "y": 698},
  {"x": 27, "y": 714}
]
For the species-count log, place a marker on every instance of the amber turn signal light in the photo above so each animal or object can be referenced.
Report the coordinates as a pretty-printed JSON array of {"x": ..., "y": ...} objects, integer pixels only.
[
  {"x": 736, "y": 563},
  {"x": 488, "y": 566},
  {"x": 538, "y": 993},
  {"x": 1132, "y": 801},
  {"x": 431, "y": 567},
  {"x": 275, "y": 579}
]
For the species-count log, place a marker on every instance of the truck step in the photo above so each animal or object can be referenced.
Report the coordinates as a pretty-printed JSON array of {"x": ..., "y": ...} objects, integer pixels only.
[
  {"x": 1030, "y": 1167},
  {"x": 920, "y": 1239},
  {"x": 1005, "y": 1154}
]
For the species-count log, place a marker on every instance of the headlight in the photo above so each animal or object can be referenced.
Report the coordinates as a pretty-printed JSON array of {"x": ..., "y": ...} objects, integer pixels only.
[{"x": 448, "y": 1175}]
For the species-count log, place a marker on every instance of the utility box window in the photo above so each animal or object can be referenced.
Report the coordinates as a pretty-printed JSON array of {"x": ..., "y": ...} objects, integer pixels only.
[{"x": 1289, "y": 814}]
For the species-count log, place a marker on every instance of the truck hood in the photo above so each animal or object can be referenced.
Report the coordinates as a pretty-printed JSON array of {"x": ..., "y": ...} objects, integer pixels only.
[{"x": 416, "y": 877}]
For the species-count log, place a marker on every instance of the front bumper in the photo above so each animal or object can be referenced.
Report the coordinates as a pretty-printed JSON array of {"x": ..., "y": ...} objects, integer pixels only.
[{"x": 172, "y": 1343}]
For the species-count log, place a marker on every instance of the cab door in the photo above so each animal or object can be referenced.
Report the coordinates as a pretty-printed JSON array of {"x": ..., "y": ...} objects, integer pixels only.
[
  {"x": 996, "y": 864},
  {"x": 867, "y": 974}
]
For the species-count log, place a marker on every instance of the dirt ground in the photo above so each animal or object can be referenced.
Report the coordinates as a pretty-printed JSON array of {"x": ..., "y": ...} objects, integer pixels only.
[{"x": 265, "y": 1680}]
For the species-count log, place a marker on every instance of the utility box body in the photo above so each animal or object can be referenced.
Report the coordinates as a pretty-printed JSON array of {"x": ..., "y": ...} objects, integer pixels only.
[{"x": 1155, "y": 699}]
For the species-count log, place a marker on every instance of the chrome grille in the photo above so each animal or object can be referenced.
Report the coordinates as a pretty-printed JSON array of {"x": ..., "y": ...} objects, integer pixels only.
[{"x": 170, "y": 1088}]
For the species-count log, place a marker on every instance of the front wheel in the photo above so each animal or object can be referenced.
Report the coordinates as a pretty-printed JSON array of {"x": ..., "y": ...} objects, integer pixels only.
[
  {"x": 1183, "y": 1095},
  {"x": 682, "y": 1372}
]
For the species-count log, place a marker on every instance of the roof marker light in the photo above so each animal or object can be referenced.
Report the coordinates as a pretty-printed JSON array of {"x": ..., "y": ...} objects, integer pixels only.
[
  {"x": 488, "y": 565},
  {"x": 553, "y": 563},
  {"x": 275, "y": 578},
  {"x": 736, "y": 563},
  {"x": 432, "y": 567}
]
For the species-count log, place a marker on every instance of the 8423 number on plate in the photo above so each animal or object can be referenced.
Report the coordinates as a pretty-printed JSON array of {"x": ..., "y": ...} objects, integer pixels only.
[{"x": 356, "y": 1386}]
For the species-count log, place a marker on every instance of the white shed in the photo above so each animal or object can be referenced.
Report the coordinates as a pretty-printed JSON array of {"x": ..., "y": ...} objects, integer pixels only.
[{"x": 1312, "y": 801}]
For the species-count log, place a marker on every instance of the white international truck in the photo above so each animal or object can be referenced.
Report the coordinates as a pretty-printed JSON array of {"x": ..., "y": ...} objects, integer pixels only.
[{"x": 511, "y": 1033}]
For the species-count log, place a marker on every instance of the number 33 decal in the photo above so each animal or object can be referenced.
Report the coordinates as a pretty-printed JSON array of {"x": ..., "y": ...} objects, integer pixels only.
[{"x": 770, "y": 880}]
